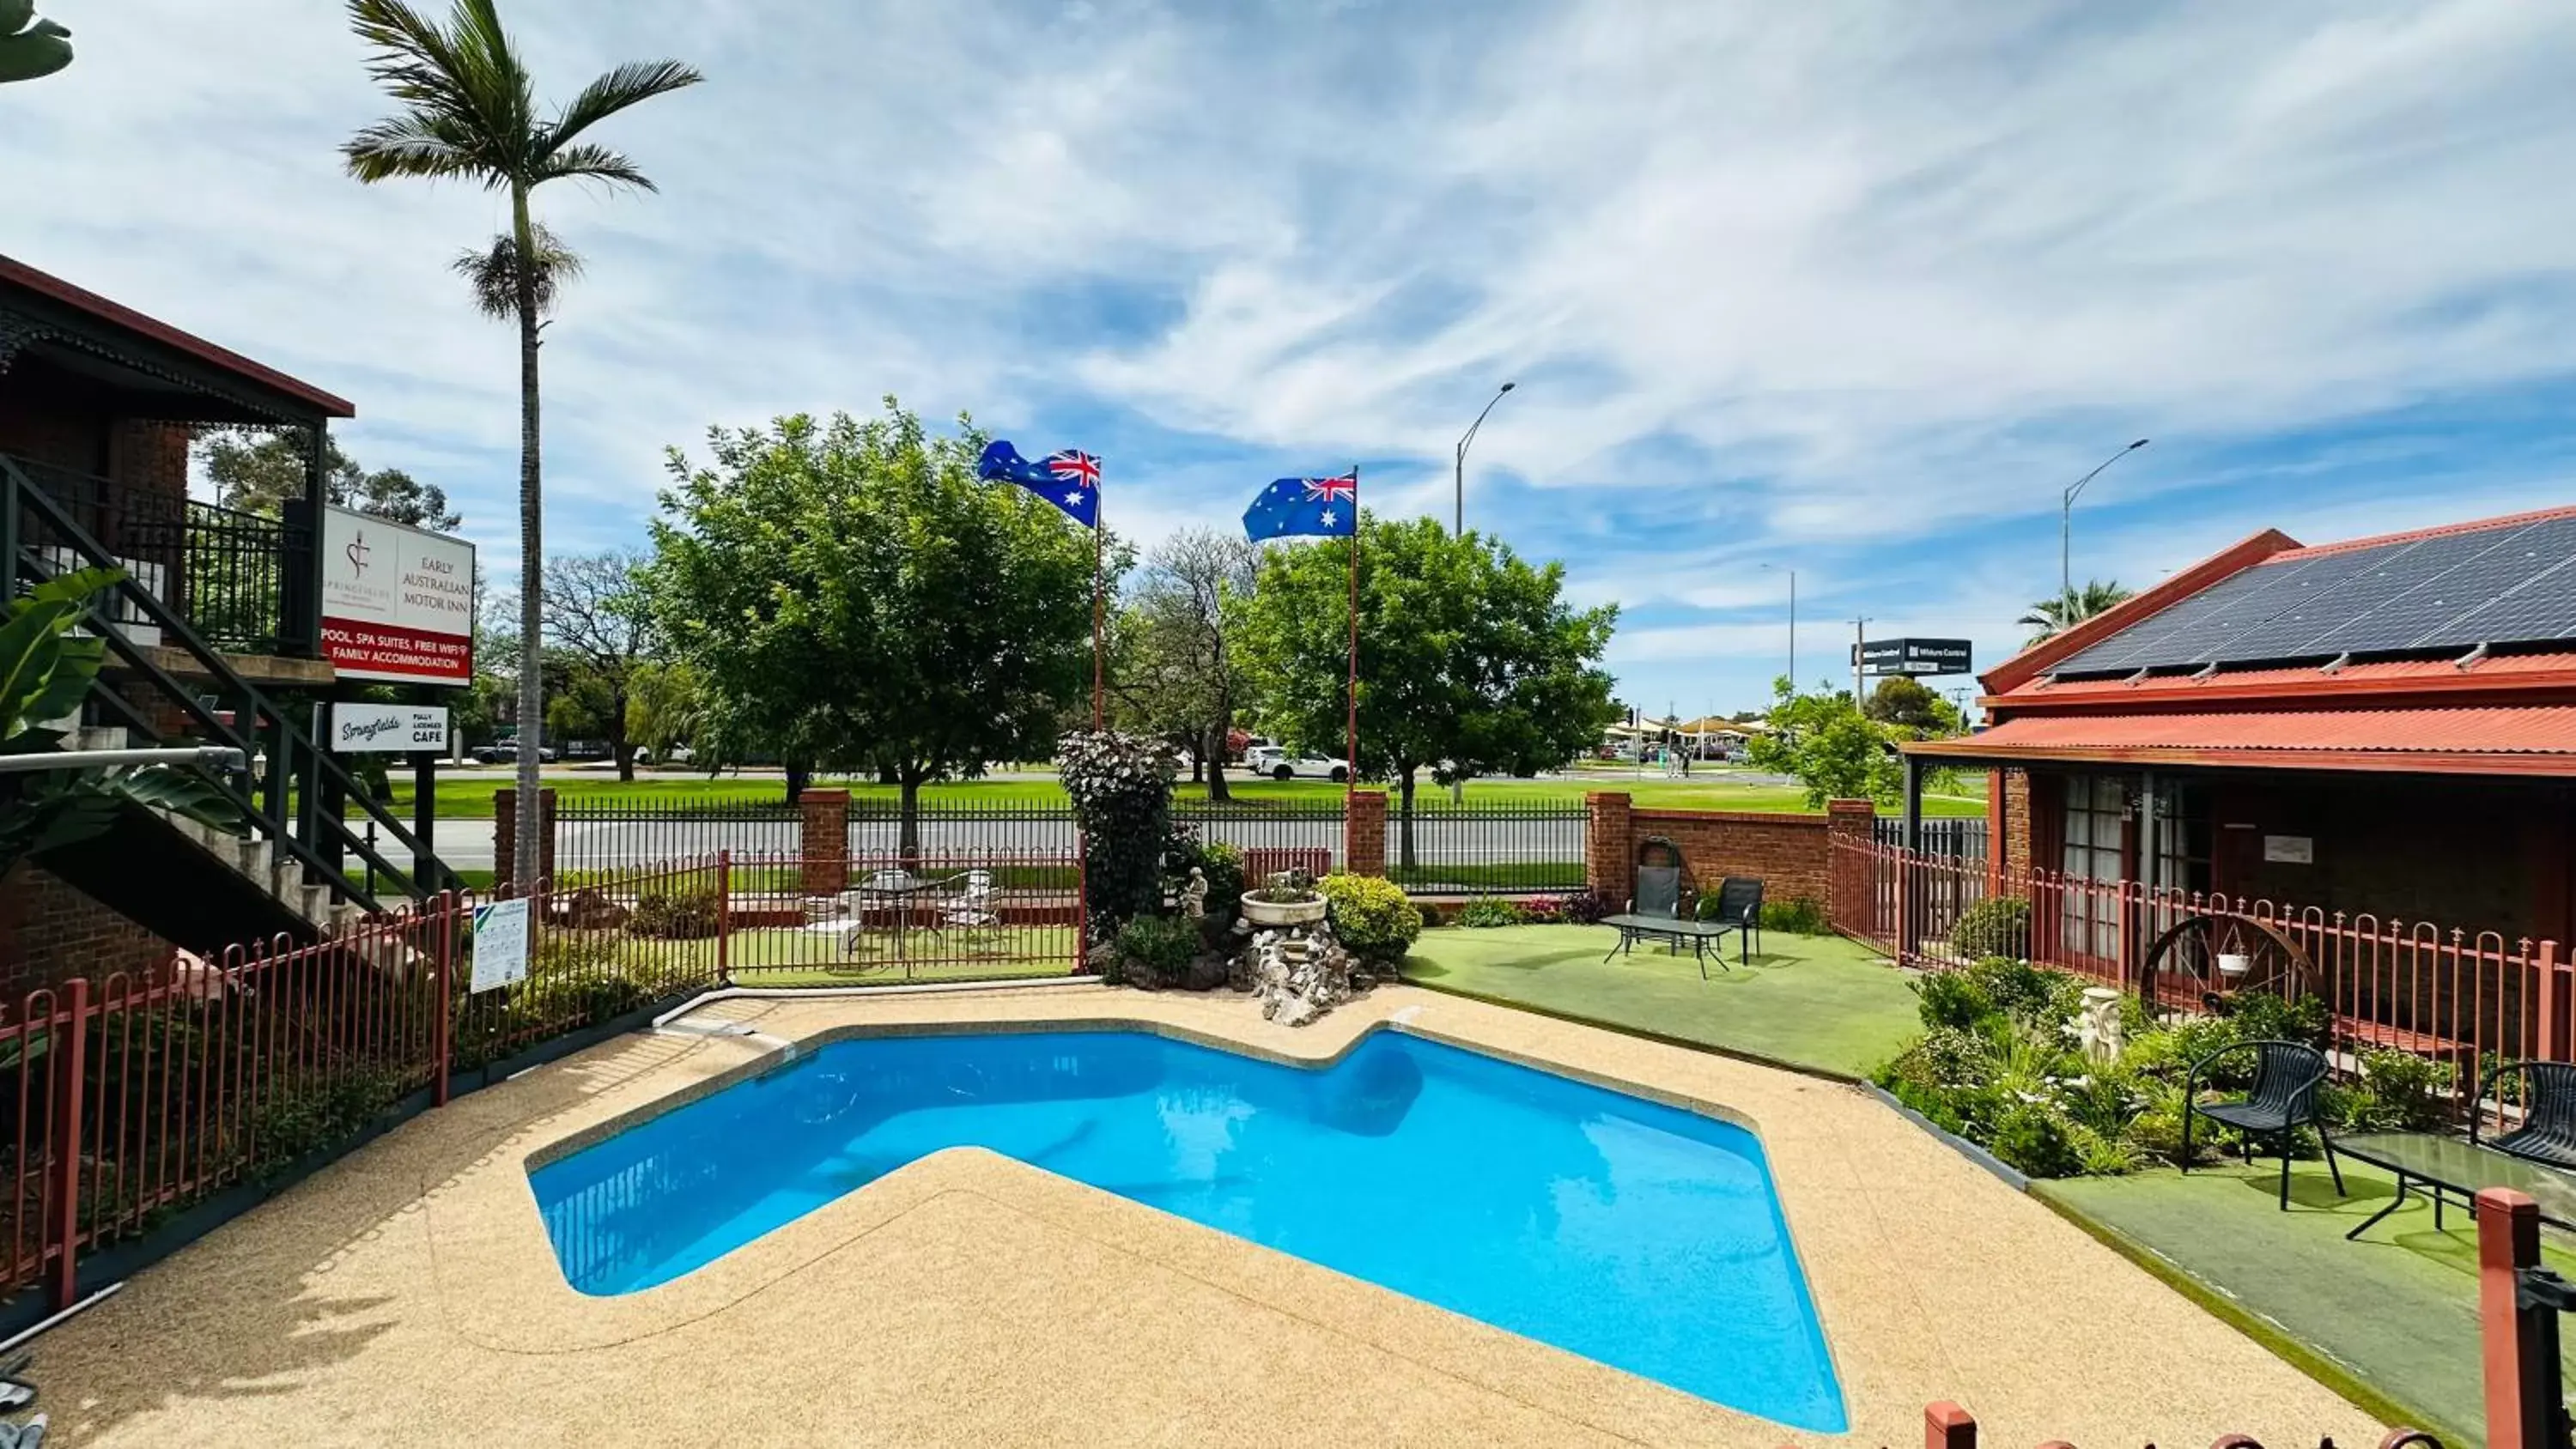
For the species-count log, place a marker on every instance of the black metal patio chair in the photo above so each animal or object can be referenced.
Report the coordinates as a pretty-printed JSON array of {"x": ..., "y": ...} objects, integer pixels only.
[
  {"x": 2287, "y": 1076},
  {"x": 1739, "y": 908},
  {"x": 2547, "y": 1132}
]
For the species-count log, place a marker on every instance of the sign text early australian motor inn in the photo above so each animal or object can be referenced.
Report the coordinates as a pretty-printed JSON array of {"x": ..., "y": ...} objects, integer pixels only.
[{"x": 397, "y": 603}]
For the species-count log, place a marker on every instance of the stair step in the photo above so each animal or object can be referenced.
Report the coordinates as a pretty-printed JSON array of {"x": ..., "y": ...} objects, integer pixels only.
[
  {"x": 313, "y": 903},
  {"x": 99, "y": 737},
  {"x": 253, "y": 857},
  {"x": 286, "y": 881}
]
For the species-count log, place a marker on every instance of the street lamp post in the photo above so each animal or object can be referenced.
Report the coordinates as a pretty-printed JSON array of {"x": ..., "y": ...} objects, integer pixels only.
[
  {"x": 2065, "y": 532},
  {"x": 1459, "y": 524}
]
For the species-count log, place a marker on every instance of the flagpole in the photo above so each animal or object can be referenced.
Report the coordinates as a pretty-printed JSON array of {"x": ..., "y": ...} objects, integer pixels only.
[
  {"x": 1351, "y": 734},
  {"x": 1099, "y": 551}
]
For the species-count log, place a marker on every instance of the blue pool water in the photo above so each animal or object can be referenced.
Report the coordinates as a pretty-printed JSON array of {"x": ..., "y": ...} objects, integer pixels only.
[{"x": 1632, "y": 1233}]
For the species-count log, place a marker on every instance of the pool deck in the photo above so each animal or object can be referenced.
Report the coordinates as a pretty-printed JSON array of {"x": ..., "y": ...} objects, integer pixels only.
[{"x": 407, "y": 1295}]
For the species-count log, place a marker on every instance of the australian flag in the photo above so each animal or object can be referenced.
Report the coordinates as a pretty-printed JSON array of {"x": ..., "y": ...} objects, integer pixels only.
[
  {"x": 1306, "y": 507},
  {"x": 1069, "y": 480}
]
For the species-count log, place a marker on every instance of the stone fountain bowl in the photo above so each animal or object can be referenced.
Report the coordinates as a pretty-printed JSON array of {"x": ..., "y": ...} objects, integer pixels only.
[{"x": 1279, "y": 915}]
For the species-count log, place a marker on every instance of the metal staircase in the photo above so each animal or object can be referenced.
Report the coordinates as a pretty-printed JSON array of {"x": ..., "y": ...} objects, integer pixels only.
[{"x": 293, "y": 865}]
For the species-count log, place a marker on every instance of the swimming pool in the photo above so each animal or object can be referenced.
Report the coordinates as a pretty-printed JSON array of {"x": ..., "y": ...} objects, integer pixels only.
[{"x": 1636, "y": 1234}]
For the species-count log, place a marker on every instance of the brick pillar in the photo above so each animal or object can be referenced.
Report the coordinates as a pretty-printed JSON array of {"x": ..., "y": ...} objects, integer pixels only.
[
  {"x": 1609, "y": 846},
  {"x": 2019, "y": 823},
  {"x": 1364, "y": 833},
  {"x": 505, "y": 835},
  {"x": 824, "y": 842},
  {"x": 1850, "y": 823}
]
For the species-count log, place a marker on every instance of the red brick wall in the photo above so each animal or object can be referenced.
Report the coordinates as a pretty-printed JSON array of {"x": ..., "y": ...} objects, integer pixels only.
[
  {"x": 1364, "y": 834},
  {"x": 50, "y": 932},
  {"x": 46, "y": 416},
  {"x": 505, "y": 836},
  {"x": 149, "y": 457},
  {"x": 824, "y": 840},
  {"x": 1790, "y": 854},
  {"x": 2012, "y": 790}
]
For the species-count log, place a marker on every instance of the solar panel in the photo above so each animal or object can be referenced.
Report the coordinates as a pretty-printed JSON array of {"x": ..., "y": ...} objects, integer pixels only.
[
  {"x": 2375, "y": 576},
  {"x": 2309, "y": 592},
  {"x": 2542, "y": 606},
  {"x": 2148, "y": 635},
  {"x": 2451, "y": 575}
]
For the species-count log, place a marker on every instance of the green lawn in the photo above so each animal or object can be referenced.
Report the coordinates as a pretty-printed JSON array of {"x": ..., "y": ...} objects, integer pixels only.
[
  {"x": 1818, "y": 1002},
  {"x": 2396, "y": 1311},
  {"x": 469, "y": 796}
]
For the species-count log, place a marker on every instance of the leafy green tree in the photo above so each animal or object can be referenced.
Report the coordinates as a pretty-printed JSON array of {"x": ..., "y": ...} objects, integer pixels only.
[
  {"x": 259, "y": 476},
  {"x": 2055, "y": 616},
  {"x": 599, "y": 619},
  {"x": 1179, "y": 678},
  {"x": 469, "y": 113},
  {"x": 666, "y": 708},
  {"x": 1833, "y": 749},
  {"x": 850, "y": 594},
  {"x": 1471, "y": 662},
  {"x": 1910, "y": 705}
]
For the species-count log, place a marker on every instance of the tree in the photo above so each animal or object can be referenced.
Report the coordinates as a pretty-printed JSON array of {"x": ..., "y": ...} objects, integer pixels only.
[
  {"x": 469, "y": 113},
  {"x": 258, "y": 477},
  {"x": 1909, "y": 705},
  {"x": 666, "y": 708},
  {"x": 851, "y": 595},
  {"x": 600, "y": 620},
  {"x": 1179, "y": 677},
  {"x": 2054, "y": 616},
  {"x": 1470, "y": 661},
  {"x": 1833, "y": 749}
]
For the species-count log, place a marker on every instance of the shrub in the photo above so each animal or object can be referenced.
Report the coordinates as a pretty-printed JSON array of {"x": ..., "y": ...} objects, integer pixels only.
[
  {"x": 1374, "y": 918},
  {"x": 1545, "y": 911},
  {"x": 2034, "y": 1140},
  {"x": 1952, "y": 999},
  {"x": 2398, "y": 1092},
  {"x": 2262, "y": 1016},
  {"x": 1489, "y": 912},
  {"x": 1155, "y": 951},
  {"x": 1995, "y": 926},
  {"x": 1797, "y": 916},
  {"x": 676, "y": 915},
  {"x": 1588, "y": 908},
  {"x": 2032, "y": 995},
  {"x": 1121, "y": 789}
]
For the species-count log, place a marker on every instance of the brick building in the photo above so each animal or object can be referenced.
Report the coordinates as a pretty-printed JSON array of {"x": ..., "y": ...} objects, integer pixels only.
[{"x": 2384, "y": 727}]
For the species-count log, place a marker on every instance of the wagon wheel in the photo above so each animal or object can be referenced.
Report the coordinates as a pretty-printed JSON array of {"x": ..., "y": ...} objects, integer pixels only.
[{"x": 2182, "y": 970}]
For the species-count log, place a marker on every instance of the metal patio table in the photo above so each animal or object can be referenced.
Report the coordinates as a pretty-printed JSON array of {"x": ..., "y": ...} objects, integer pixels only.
[
  {"x": 897, "y": 888},
  {"x": 2450, "y": 1167}
]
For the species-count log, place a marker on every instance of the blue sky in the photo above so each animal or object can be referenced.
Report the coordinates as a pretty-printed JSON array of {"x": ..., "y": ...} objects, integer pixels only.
[{"x": 1848, "y": 288}]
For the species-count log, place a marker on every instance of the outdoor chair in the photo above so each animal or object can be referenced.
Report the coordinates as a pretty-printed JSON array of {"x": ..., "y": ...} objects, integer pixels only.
[
  {"x": 1655, "y": 913},
  {"x": 975, "y": 910},
  {"x": 2287, "y": 1076},
  {"x": 1739, "y": 909},
  {"x": 2548, "y": 1130},
  {"x": 1659, "y": 892}
]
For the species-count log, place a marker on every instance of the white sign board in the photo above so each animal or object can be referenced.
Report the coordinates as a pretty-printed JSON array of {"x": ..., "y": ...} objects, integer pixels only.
[
  {"x": 500, "y": 944},
  {"x": 397, "y": 603},
  {"x": 388, "y": 729},
  {"x": 2290, "y": 849}
]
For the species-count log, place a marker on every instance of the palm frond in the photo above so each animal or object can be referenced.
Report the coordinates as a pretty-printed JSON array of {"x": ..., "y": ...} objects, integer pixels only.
[
  {"x": 630, "y": 84},
  {"x": 597, "y": 163},
  {"x": 468, "y": 105},
  {"x": 493, "y": 272},
  {"x": 412, "y": 145}
]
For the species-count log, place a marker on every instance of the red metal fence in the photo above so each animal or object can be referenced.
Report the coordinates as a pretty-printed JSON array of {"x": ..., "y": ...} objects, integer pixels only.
[
  {"x": 131, "y": 1098},
  {"x": 2449, "y": 994}
]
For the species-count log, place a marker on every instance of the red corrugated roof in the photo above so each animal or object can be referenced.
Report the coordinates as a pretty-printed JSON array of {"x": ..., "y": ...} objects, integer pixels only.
[
  {"x": 2499, "y": 739},
  {"x": 2502, "y": 670},
  {"x": 49, "y": 285}
]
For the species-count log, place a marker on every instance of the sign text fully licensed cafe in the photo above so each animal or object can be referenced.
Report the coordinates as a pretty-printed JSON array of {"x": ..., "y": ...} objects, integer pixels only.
[{"x": 397, "y": 602}]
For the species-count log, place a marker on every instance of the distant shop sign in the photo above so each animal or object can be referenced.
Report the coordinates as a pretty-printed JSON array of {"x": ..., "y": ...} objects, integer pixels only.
[
  {"x": 1913, "y": 656},
  {"x": 397, "y": 602},
  {"x": 388, "y": 729}
]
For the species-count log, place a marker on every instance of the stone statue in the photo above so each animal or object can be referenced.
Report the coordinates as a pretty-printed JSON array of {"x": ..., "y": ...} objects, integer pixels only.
[
  {"x": 30, "y": 48},
  {"x": 2098, "y": 1028},
  {"x": 1194, "y": 895}
]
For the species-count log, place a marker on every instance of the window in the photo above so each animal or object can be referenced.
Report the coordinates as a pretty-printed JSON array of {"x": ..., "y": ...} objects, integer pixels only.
[{"x": 2096, "y": 807}]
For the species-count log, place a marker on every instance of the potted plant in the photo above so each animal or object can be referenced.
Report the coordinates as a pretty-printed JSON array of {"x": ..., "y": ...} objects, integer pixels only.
[{"x": 1286, "y": 900}]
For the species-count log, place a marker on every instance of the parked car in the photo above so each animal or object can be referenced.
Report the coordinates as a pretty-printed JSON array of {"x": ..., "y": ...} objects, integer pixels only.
[
  {"x": 506, "y": 752},
  {"x": 1279, "y": 764}
]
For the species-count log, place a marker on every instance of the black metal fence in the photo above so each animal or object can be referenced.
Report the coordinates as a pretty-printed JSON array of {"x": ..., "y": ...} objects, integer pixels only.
[
  {"x": 601, "y": 835},
  {"x": 1272, "y": 834},
  {"x": 1957, "y": 839},
  {"x": 221, "y": 569},
  {"x": 1520, "y": 849},
  {"x": 960, "y": 829}
]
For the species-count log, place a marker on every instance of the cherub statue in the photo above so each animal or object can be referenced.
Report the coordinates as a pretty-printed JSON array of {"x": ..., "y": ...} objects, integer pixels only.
[{"x": 1194, "y": 895}]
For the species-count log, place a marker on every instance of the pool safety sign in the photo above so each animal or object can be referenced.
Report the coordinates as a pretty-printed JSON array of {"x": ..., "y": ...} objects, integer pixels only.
[
  {"x": 397, "y": 602},
  {"x": 500, "y": 944},
  {"x": 388, "y": 729}
]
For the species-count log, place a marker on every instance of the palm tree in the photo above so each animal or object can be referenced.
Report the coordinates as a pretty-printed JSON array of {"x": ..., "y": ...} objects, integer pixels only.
[
  {"x": 469, "y": 113},
  {"x": 2053, "y": 616}
]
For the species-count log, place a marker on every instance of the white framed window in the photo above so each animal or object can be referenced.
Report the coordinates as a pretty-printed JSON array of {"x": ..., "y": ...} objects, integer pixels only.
[{"x": 2097, "y": 807}]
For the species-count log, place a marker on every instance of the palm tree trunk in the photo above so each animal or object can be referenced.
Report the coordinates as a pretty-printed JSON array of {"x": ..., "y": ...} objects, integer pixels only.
[{"x": 532, "y": 557}]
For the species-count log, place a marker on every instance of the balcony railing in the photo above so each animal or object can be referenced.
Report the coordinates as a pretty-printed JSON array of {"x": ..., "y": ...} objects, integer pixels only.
[{"x": 223, "y": 570}]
